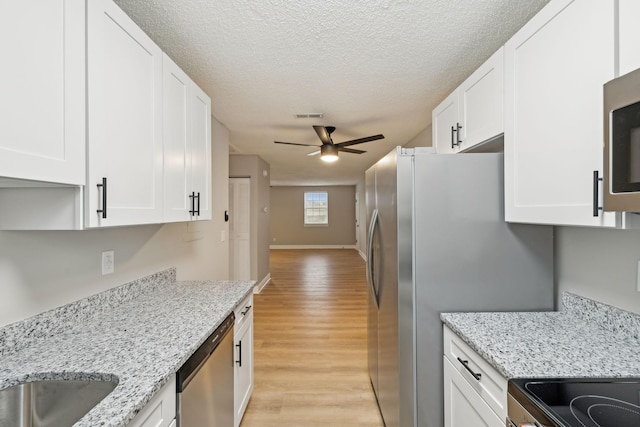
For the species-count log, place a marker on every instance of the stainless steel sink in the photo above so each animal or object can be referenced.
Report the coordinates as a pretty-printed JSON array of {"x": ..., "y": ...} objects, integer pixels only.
[{"x": 50, "y": 403}]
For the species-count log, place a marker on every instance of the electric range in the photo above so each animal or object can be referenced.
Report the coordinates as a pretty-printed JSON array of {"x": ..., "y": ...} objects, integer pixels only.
[{"x": 574, "y": 402}]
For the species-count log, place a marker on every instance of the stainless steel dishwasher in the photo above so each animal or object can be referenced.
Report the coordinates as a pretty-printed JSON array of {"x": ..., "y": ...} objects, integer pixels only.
[{"x": 205, "y": 382}]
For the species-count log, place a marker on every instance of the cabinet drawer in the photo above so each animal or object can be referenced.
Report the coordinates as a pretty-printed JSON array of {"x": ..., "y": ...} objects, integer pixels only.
[
  {"x": 160, "y": 411},
  {"x": 242, "y": 311},
  {"x": 463, "y": 405},
  {"x": 492, "y": 386}
]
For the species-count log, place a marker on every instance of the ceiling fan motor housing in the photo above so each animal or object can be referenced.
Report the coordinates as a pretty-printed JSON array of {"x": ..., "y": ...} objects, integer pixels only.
[{"x": 328, "y": 150}]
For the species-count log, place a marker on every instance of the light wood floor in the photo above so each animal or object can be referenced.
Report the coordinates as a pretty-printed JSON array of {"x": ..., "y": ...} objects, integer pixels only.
[{"x": 310, "y": 342}]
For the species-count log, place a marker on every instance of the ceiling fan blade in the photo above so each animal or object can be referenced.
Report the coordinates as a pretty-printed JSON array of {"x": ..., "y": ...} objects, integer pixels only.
[
  {"x": 323, "y": 134},
  {"x": 293, "y": 143},
  {"x": 350, "y": 150},
  {"x": 360, "y": 140},
  {"x": 315, "y": 153}
]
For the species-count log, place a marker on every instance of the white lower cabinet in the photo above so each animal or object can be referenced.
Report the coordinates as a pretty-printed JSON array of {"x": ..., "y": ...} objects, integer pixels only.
[
  {"x": 475, "y": 394},
  {"x": 161, "y": 409},
  {"x": 243, "y": 370},
  {"x": 463, "y": 405}
]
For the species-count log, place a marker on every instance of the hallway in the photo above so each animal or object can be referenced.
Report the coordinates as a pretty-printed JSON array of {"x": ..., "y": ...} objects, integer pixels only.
[{"x": 310, "y": 343}]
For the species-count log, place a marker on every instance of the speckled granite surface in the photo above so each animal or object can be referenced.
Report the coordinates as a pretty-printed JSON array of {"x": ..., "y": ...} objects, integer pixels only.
[
  {"x": 585, "y": 339},
  {"x": 139, "y": 333}
]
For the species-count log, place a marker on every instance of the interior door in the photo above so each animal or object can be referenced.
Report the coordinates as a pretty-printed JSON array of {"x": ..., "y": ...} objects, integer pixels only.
[{"x": 240, "y": 228}]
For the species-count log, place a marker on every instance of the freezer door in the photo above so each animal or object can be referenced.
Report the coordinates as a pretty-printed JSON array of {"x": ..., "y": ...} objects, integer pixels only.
[
  {"x": 373, "y": 277},
  {"x": 388, "y": 376},
  {"x": 372, "y": 299}
]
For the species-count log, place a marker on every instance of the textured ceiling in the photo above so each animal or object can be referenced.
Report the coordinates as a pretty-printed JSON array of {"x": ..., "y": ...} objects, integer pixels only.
[{"x": 376, "y": 66}]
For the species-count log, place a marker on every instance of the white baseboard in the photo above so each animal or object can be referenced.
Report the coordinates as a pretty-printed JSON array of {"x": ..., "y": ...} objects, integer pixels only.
[
  {"x": 312, "y": 246},
  {"x": 263, "y": 284},
  {"x": 362, "y": 255}
]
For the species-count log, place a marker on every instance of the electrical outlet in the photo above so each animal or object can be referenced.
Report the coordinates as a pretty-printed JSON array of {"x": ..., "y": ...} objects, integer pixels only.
[{"x": 108, "y": 262}]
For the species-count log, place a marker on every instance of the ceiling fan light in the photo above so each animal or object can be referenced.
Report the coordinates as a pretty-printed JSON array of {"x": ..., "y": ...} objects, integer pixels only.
[{"x": 328, "y": 153}]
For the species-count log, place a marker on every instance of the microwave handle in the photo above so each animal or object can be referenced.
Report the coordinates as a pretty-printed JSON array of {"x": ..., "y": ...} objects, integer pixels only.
[{"x": 596, "y": 199}]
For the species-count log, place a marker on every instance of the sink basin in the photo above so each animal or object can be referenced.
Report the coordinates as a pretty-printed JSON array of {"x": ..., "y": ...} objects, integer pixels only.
[{"x": 50, "y": 403}]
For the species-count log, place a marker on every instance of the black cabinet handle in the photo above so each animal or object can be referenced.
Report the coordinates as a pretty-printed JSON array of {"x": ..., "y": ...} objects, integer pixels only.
[
  {"x": 246, "y": 310},
  {"x": 465, "y": 363},
  {"x": 103, "y": 211},
  {"x": 455, "y": 135},
  {"x": 239, "y": 347},
  {"x": 198, "y": 210},
  {"x": 596, "y": 187},
  {"x": 453, "y": 139},
  {"x": 192, "y": 196}
]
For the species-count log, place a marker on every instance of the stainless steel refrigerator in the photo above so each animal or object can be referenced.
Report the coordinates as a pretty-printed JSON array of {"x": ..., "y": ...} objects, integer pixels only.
[{"x": 438, "y": 242}]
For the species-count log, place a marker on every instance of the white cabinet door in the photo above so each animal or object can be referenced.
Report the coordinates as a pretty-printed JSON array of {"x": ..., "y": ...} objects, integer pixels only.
[
  {"x": 187, "y": 146},
  {"x": 481, "y": 100},
  {"x": 553, "y": 113},
  {"x": 473, "y": 113},
  {"x": 201, "y": 151},
  {"x": 160, "y": 411},
  {"x": 125, "y": 120},
  {"x": 444, "y": 121},
  {"x": 176, "y": 100},
  {"x": 463, "y": 407},
  {"x": 628, "y": 36},
  {"x": 243, "y": 372},
  {"x": 42, "y": 101}
]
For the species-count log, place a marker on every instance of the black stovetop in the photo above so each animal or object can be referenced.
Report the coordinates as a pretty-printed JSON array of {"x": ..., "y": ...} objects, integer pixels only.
[{"x": 582, "y": 402}]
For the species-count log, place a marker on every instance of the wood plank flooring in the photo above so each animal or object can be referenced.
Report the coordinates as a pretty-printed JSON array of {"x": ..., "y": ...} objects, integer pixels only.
[{"x": 310, "y": 342}]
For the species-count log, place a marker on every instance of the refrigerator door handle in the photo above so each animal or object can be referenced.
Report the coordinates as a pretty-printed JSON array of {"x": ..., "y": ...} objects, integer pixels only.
[{"x": 370, "y": 260}]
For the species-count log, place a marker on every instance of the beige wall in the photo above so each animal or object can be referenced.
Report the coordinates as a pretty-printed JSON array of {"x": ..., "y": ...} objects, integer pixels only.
[
  {"x": 287, "y": 217},
  {"x": 599, "y": 264},
  {"x": 423, "y": 139},
  {"x": 255, "y": 168},
  {"x": 41, "y": 270}
]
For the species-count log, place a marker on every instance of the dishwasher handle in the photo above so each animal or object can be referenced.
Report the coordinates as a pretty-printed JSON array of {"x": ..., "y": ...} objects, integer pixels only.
[{"x": 191, "y": 367}]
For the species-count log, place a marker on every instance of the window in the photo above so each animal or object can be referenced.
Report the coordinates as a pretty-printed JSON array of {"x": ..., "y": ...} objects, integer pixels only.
[{"x": 316, "y": 208}]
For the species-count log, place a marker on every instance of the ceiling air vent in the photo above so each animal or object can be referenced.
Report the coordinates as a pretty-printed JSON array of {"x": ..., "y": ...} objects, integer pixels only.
[{"x": 309, "y": 116}]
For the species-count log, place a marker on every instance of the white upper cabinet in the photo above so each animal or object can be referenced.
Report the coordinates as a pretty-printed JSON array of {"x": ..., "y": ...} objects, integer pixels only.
[
  {"x": 628, "y": 36},
  {"x": 125, "y": 120},
  {"x": 176, "y": 137},
  {"x": 42, "y": 102},
  {"x": 444, "y": 122},
  {"x": 187, "y": 146},
  {"x": 555, "y": 67},
  {"x": 201, "y": 151},
  {"x": 473, "y": 113}
]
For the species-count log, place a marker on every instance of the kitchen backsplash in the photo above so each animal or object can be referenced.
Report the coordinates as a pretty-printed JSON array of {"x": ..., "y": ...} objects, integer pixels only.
[
  {"x": 611, "y": 318},
  {"x": 21, "y": 334}
]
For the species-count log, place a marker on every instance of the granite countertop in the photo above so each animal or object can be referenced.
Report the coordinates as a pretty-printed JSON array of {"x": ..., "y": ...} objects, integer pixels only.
[
  {"x": 585, "y": 339},
  {"x": 140, "y": 333}
]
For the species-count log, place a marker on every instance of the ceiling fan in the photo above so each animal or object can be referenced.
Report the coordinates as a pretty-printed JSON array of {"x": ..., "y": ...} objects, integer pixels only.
[{"x": 328, "y": 150}]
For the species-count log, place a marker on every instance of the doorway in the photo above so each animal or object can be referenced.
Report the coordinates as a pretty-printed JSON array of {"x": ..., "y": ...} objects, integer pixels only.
[{"x": 240, "y": 228}]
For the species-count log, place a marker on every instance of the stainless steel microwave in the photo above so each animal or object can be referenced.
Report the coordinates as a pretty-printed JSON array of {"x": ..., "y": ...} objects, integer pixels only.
[{"x": 622, "y": 143}]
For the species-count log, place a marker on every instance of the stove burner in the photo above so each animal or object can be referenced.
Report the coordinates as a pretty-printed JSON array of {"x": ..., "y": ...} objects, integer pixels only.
[
  {"x": 580, "y": 402},
  {"x": 597, "y": 411}
]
